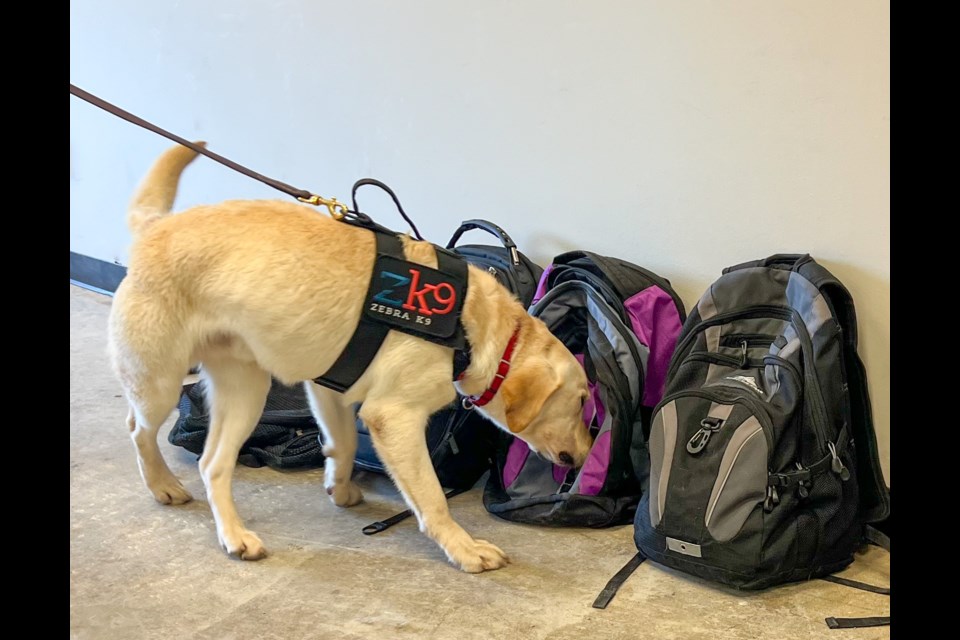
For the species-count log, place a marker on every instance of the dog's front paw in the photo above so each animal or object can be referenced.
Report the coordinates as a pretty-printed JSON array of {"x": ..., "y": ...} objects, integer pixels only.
[
  {"x": 345, "y": 494},
  {"x": 170, "y": 491},
  {"x": 477, "y": 556},
  {"x": 243, "y": 544}
]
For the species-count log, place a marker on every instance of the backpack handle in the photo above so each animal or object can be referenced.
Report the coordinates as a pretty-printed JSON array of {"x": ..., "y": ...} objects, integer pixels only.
[
  {"x": 790, "y": 260},
  {"x": 490, "y": 228},
  {"x": 782, "y": 258}
]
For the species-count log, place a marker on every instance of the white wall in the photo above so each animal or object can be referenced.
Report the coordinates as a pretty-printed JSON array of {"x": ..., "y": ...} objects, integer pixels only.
[{"x": 684, "y": 136}]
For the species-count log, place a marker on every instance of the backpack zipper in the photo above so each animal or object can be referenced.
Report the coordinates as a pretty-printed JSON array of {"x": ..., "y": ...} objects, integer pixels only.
[{"x": 726, "y": 395}]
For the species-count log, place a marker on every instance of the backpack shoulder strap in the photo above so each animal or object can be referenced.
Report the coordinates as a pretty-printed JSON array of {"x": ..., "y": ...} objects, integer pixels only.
[{"x": 874, "y": 493}]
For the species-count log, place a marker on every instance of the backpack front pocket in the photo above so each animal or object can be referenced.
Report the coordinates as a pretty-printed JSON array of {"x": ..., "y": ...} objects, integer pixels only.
[{"x": 710, "y": 458}]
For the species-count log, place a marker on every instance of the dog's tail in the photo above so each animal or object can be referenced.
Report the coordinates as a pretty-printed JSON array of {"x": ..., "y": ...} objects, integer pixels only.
[{"x": 154, "y": 197}]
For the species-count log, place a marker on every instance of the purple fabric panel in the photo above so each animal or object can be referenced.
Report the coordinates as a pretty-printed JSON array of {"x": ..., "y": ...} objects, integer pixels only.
[
  {"x": 516, "y": 456},
  {"x": 595, "y": 397},
  {"x": 542, "y": 285},
  {"x": 594, "y": 471},
  {"x": 656, "y": 322}
]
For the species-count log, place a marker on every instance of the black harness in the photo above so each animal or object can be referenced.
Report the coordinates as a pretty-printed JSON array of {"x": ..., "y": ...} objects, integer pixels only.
[{"x": 405, "y": 296}]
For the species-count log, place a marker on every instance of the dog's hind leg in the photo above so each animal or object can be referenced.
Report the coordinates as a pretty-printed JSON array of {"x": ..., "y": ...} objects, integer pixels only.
[
  {"x": 398, "y": 429},
  {"x": 236, "y": 393},
  {"x": 339, "y": 443},
  {"x": 150, "y": 363},
  {"x": 150, "y": 404}
]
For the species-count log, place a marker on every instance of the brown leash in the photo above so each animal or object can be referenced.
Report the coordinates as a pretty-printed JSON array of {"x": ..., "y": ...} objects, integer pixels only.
[{"x": 337, "y": 209}]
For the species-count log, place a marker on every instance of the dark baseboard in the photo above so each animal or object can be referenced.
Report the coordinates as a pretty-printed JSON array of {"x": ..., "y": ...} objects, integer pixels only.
[{"x": 95, "y": 274}]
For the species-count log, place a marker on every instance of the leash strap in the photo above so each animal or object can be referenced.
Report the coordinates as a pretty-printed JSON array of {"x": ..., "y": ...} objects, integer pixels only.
[
  {"x": 383, "y": 525},
  {"x": 300, "y": 194},
  {"x": 616, "y": 581}
]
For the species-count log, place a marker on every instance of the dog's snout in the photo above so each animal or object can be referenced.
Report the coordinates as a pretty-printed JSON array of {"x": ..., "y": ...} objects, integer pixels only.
[{"x": 565, "y": 459}]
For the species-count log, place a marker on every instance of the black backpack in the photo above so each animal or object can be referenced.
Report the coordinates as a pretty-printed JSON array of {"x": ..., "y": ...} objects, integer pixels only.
[
  {"x": 461, "y": 442},
  {"x": 285, "y": 436},
  {"x": 763, "y": 456}
]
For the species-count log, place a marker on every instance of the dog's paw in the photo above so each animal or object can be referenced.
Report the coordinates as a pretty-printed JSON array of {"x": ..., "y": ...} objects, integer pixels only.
[
  {"x": 243, "y": 544},
  {"x": 479, "y": 555},
  {"x": 170, "y": 492},
  {"x": 345, "y": 494}
]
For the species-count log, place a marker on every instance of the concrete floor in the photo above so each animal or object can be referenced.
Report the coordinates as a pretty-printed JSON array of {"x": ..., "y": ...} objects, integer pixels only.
[{"x": 141, "y": 570}]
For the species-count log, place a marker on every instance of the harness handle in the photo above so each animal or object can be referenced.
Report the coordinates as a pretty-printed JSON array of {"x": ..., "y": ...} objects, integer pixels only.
[{"x": 376, "y": 183}]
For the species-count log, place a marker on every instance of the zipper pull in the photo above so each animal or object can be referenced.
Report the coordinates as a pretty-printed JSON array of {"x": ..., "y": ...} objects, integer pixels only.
[
  {"x": 699, "y": 440},
  {"x": 836, "y": 464},
  {"x": 772, "y": 499},
  {"x": 803, "y": 491},
  {"x": 743, "y": 354}
]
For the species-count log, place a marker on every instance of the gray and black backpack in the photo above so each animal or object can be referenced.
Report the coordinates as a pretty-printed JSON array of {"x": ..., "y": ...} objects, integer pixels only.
[
  {"x": 621, "y": 321},
  {"x": 763, "y": 458}
]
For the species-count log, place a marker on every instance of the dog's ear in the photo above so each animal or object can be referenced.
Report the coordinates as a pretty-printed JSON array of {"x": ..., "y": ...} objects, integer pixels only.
[{"x": 525, "y": 391}]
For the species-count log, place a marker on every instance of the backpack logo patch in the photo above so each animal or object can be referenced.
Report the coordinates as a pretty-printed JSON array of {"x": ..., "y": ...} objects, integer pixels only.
[{"x": 748, "y": 381}]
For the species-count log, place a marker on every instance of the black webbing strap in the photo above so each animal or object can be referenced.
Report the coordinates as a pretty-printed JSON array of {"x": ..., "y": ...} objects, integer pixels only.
[
  {"x": 616, "y": 581},
  {"x": 366, "y": 338},
  {"x": 377, "y": 527},
  {"x": 873, "y": 536},
  {"x": 877, "y": 537},
  {"x": 856, "y": 623},
  {"x": 863, "y": 586}
]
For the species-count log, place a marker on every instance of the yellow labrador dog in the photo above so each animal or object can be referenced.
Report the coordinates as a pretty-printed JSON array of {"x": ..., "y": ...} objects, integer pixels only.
[{"x": 254, "y": 288}]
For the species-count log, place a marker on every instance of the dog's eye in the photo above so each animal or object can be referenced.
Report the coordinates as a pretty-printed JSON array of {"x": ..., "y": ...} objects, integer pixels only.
[{"x": 583, "y": 400}]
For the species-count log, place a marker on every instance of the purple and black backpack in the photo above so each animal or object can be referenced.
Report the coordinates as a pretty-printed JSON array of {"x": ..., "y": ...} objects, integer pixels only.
[{"x": 622, "y": 323}]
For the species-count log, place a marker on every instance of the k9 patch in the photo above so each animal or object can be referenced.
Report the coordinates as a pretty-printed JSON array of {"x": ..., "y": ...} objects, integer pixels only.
[{"x": 414, "y": 298}]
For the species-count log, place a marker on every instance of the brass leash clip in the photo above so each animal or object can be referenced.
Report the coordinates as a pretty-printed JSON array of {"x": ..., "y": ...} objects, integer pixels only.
[{"x": 337, "y": 209}]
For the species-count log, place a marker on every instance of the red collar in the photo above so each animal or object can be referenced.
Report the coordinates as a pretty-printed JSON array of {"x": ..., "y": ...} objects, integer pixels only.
[{"x": 498, "y": 377}]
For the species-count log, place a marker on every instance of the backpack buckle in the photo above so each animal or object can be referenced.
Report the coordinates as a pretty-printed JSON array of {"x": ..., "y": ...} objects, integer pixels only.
[{"x": 699, "y": 440}]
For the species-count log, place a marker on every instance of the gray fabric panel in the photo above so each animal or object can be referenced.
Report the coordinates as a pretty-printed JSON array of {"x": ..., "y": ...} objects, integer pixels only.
[
  {"x": 771, "y": 377},
  {"x": 706, "y": 306},
  {"x": 686, "y": 548},
  {"x": 665, "y": 425},
  {"x": 599, "y": 320},
  {"x": 808, "y": 301},
  {"x": 720, "y": 411},
  {"x": 741, "y": 481},
  {"x": 792, "y": 346},
  {"x": 655, "y": 446},
  {"x": 534, "y": 480},
  {"x": 603, "y": 320}
]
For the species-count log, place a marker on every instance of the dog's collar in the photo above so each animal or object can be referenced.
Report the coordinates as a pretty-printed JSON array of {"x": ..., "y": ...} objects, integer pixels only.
[{"x": 502, "y": 369}]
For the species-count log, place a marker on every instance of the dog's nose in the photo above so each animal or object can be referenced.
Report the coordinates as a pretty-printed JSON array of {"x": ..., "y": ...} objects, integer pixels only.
[{"x": 565, "y": 459}]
